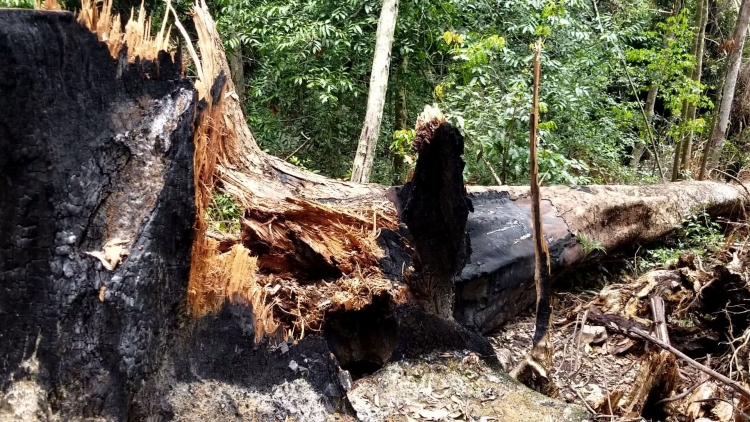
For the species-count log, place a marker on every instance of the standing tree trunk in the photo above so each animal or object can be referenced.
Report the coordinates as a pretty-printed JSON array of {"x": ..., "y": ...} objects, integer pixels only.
[
  {"x": 678, "y": 143},
  {"x": 368, "y": 139},
  {"x": 653, "y": 90},
  {"x": 640, "y": 147},
  {"x": 715, "y": 143},
  {"x": 401, "y": 117},
  {"x": 535, "y": 371},
  {"x": 687, "y": 147},
  {"x": 683, "y": 147},
  {"x": 238, "y": 73}
]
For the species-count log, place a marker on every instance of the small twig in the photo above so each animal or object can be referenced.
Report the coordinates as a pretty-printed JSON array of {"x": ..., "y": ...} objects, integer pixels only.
[
  {"x": 733, "y": 178},
  {"x": 744, "y": 415},
  {"x": 681, "y": 395},
  {"x": 578, "y": 344},
  {"x": 609, "y": 394},
  {"x": 299, "y": 147},
  {"x": 575, "y": 331}
]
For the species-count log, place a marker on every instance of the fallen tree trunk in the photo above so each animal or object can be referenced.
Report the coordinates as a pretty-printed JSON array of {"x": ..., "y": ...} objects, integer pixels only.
[{"x": 497, "y": 283}]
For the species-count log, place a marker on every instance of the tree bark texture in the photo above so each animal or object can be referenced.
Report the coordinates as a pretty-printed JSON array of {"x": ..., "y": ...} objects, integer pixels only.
[
  {"x": 96, "y": 152},
  {"x": 381, "y": 63},
  {"x": 714, "y": 145},
  {"x": 435, "y": 210}
]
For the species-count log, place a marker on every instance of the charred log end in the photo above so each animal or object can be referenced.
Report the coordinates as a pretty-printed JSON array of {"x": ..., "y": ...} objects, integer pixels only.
[
  {"x": 435, "y": 210},
  {"x": 435, "y": 207},
  {"x": 498, "y": 283}
]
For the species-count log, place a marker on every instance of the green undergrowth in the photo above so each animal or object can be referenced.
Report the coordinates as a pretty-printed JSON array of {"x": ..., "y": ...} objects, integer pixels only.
[
  {"x": 698, "y": 235},
  {"x": 224, "y": 214},
  {"x": 16, "y": 4}
]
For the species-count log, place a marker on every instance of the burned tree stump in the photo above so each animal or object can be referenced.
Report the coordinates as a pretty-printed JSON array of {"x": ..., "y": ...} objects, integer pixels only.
[
  {"x": 95, "y": 172},
  {"x": 435, "y": 209}
]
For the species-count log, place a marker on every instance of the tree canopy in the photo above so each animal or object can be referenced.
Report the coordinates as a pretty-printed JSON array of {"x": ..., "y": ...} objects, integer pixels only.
[{"x": 306, "y": 70}]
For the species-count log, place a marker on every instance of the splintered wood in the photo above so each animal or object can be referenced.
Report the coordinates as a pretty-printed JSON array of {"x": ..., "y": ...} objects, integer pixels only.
[
  {"x": 312, "y": 257},
  {"x": 136, "y": 35}
]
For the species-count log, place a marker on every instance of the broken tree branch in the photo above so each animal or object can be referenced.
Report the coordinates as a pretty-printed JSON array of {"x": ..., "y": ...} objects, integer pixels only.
[
  {"x": 538, "y": 364},
  {"x": 632, "y": 329},
  {"x": 660, "y": 322}
]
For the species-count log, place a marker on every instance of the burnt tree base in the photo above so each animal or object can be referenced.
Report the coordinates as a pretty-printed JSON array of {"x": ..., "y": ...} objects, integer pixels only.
[{"x": 97, "y": 159}]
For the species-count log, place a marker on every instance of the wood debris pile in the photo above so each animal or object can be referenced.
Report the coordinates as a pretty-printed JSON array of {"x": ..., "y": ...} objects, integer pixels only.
[{"x": 670, "y": 345}]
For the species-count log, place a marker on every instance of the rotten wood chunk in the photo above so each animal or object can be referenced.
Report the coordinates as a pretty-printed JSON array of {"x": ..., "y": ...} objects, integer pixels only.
[{"x": 657, "y": 377}]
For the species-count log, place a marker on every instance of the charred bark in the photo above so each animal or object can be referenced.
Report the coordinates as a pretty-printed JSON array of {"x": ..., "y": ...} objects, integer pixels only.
[
  {"x": 97, "y": 156},
  {"x": 498, "y": 281},
  {"x": 435, "y": 209}
]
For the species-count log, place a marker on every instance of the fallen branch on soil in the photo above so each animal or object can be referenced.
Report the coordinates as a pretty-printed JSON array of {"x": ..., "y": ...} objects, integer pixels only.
[
  {"x": 681, "y": 395},
  {"x": 660, "y": 320},
  {"x": 737, "y": 409},
  {"x": 632, "y": 329}
]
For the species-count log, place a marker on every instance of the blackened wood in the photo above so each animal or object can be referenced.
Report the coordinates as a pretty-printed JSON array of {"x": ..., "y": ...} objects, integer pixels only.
[
  {"x": 92, "y": 150},
  {"x": 435, "y": 210},
  {"x": 96, "y": 150}
]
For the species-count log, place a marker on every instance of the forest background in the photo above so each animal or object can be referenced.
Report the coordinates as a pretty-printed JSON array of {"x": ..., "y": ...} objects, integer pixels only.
[{"x": 627, "y": 86}]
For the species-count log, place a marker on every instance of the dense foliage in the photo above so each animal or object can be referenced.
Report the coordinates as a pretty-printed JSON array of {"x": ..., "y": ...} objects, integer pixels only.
[
  {"x": 307, "y": 69},
  {"x": 306, "y": 66}
]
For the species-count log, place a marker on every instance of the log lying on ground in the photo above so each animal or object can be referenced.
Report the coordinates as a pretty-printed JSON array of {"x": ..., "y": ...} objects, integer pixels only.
[
  {"x": 498, "y": 283},
  {"x": 364, "y": 251}
]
